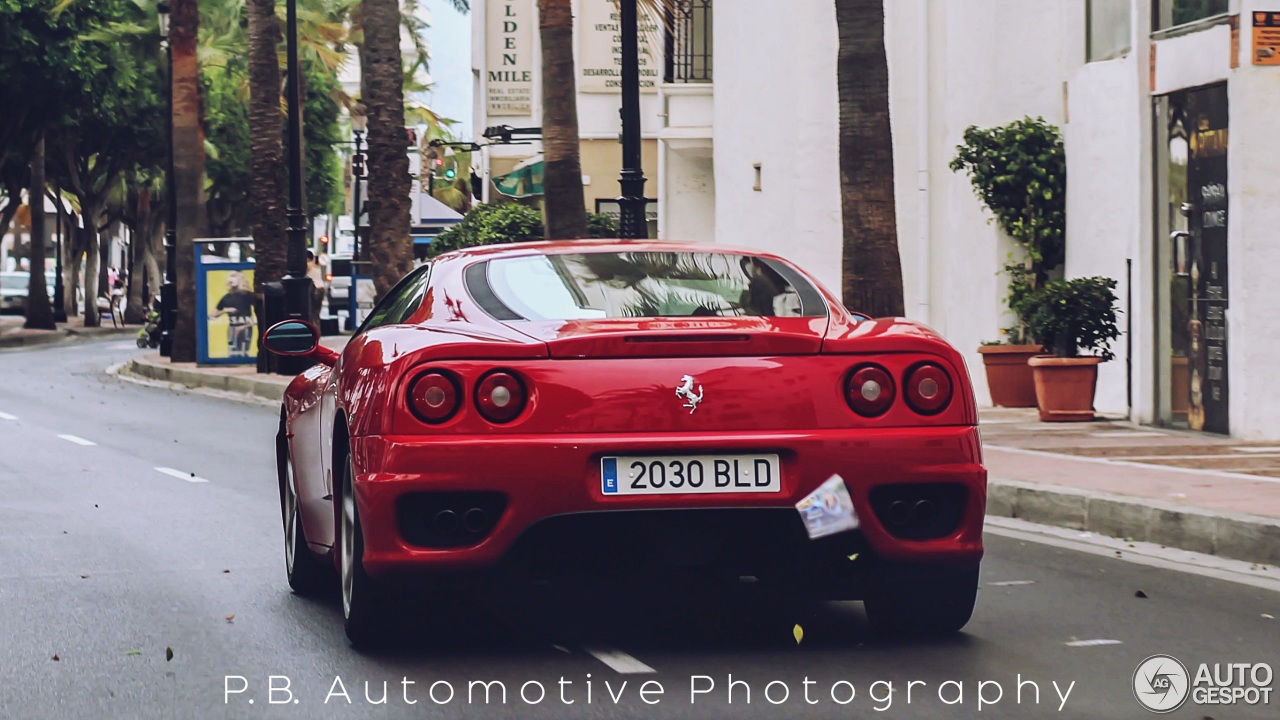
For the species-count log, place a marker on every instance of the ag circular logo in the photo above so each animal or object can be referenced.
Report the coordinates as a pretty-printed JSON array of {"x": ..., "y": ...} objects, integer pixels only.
[{"x": 1161, "y": 683}]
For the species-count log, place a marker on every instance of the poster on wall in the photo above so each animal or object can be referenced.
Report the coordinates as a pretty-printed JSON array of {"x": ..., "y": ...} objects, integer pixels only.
[
  {"x": 226, "y": 323},
  {"x": 509, "y": 57},
  {"x": 1266, "y": 38},
  {"x": 600, "y": 49}
]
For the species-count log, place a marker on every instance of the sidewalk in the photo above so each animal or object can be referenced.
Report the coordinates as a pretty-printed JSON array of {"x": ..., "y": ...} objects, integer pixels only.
[
  {"x": 12, "y": 334},
  {"x": 1192, "y": 491}
]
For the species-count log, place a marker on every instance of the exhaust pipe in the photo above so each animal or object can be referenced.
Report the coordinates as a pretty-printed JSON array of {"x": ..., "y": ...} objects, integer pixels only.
[
  {"x": 475, "y": 521},
  {"x": 925, "y": 512},
  {"x": 445, "y": 522},
  {"x": 899, "y": 513}
]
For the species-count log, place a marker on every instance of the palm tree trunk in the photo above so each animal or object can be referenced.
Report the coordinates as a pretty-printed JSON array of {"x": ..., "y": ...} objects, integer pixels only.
[
  {"x": 564, "y": 206},
  {"x": 871, "y": 267},
  {"x": 91, "y": 242},
  {"x": 381, "y": 77},
  {"x": 188, "y": 168},
  {"x": 266, "y": 170},
  {"x": 39, "y": 312}
]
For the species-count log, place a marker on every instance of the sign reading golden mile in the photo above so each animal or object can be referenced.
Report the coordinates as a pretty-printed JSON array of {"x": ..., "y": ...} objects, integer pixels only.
[
  {"x": 509, "y": 57},
  {"x": 600, "y": 49}
]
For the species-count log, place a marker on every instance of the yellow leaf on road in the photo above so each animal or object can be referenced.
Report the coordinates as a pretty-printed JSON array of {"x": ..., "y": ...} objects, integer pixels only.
[{"x": 798, "y": 632}]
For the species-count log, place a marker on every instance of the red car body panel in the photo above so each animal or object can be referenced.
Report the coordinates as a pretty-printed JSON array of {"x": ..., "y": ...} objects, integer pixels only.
[{"x": 606, "y": 387}]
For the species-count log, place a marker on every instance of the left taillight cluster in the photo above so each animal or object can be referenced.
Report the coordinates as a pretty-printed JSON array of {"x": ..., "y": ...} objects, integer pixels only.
[
  {"x": 870, "y": 389},
  {"x": 436, "y": 396}
]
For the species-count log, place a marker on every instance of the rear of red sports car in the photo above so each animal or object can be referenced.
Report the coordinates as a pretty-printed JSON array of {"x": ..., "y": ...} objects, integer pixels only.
[{"x": 561, "y": 410}]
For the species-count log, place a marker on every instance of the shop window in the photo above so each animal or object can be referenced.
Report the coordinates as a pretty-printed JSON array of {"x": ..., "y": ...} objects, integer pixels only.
[
  {"x": 1108, "y": 29},
  {"x": 1173, "y": 13}
]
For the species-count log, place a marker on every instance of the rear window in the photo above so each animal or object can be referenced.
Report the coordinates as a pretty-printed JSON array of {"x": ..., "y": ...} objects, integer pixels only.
[
  {"x": 340, "y": 267},
  {"x": 602, "y": 285}
]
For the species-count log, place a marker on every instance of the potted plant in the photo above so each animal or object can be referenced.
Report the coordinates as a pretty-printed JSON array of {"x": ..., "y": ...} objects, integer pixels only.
[
  {"x": 1019, "y": 171},
  {"x": 1073, "y": 317}
]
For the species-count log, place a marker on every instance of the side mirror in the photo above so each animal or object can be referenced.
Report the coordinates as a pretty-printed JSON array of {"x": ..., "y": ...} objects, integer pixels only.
[{"x": 292, "y": 338}]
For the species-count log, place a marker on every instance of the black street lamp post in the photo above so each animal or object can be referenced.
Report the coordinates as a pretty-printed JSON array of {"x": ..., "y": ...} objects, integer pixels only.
[
  {"x": 59, "y": 304},
  {"x": 359, "y": 122},
  {"x": 631, "y": 206},
  {"x": 297, "y": 286},
  {"x": 169, "y": 290}
]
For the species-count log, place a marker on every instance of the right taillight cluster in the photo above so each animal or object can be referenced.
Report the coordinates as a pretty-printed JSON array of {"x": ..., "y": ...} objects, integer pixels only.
[
  {"x": 870, "y": 389},
  {"x": 436, "y": 396}
]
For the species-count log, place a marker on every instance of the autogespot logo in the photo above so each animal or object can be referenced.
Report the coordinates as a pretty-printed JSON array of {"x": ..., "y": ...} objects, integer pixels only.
[{"x": 1161, "y": 683}]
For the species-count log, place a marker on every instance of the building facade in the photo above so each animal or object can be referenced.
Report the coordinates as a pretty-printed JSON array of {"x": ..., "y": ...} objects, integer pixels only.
[{"x": 1164, "y": 107}]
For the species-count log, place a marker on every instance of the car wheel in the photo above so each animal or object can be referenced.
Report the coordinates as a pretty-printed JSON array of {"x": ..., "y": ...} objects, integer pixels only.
[
  {"x": 924, "y": 603},
  {"x": 306, "y": 573},
  {"x": 363, "y": 605}
]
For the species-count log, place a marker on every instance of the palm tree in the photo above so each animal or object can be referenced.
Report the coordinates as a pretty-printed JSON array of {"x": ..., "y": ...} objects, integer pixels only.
[
  {"x": 39, "y": 311},
  {"x": 871, "y": 268},
  {"x": 382, "y": 91},
  {"x": 564, "y": 204},
  {"x": 267, "y": 166},
  {"x": 188, "y": 167}
]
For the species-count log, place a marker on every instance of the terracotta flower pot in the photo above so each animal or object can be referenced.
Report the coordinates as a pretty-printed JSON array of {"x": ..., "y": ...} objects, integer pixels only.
[
  {"x": 1009, "y": 378},
  {"x": 1065, "y": 387}
]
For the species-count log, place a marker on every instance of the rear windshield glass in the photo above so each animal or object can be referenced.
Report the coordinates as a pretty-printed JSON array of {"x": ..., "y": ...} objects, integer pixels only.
[{"x": 601, "y": 285}]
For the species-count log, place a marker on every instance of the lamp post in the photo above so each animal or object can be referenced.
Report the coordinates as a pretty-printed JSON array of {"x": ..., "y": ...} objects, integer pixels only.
[
  {"x": 297, "y": 286},
  {"x": 169, "y": 290},
  {"x": 631, "y": 206},
  {"x": 359, "y": 121}
]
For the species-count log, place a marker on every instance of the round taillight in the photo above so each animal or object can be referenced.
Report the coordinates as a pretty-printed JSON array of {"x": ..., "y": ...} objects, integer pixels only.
[
  {"x": 500, "y": 397},
  {"x": 869, "y": 390},
  {"x": 434, "y": 397},
  {"x": 928, "y": 389}
]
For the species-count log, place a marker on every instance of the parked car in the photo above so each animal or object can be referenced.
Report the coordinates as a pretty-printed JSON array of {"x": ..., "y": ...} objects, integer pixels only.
[
  {"x": 13, "y": 289},
  {"x": 677, "y": 411}
]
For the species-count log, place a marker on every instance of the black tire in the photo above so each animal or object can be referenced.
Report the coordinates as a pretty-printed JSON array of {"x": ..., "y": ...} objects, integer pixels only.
[
  {"x": 307, "y": 574},
  {"x": 364, "y": 605},
  {"x": 924, "y": 604}
]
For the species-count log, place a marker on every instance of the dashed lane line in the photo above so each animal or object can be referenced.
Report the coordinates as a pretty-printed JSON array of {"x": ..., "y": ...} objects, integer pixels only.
[
  {"x": 620, "y": 662},
  {"x": 77, "y": 440},
  {"x": 189, "y": 477},
  {"x": 7, "y": 416}
]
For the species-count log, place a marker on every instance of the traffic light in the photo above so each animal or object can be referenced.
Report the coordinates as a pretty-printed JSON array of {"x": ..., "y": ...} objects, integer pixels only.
[
  {"x": 357, "y": 165},
  {"x": 324, "y": 240},
  {"x": 450, "y": 173}
]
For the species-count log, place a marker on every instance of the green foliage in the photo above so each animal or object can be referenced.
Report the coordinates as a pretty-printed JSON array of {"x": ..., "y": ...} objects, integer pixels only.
[
  {"x": 507, "y": 223},
  {"x": 1019, "y": 171},
  {"x": 1074, "y": 315},
  {"x": 321, "y": 134}
]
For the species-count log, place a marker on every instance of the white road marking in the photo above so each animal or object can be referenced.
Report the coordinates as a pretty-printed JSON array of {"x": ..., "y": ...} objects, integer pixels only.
[
  {"x": 1127, "y": 434},
  {"x": 7, "y": 416},
  {"x": 1093, "y": 643},
  {"x": 1009, "y": 583},
  {"x": 1121, "y": 463},
  {"x": 1267, "y": 449},
  {"x": 620, "y": 662},
  {"x": 77, "y": 440},
  {"x": 189, "y": 477}
]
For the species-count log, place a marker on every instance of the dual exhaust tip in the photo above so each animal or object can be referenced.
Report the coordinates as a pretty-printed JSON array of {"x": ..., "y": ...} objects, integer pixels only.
[
  {"x": 901, "y": 513},
  {"x": 474, "y": 521}
]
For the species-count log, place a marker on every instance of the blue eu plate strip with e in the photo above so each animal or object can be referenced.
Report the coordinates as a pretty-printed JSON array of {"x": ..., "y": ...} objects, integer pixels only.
[{"x": 609, "y": 475}]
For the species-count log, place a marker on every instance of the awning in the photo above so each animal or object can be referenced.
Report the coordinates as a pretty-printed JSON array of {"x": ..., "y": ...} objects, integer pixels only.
[{"x": 523, "y": 181}]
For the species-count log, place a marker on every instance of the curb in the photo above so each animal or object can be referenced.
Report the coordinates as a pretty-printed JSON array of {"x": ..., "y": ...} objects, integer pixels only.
[
  {"x": 49, "y": 337},
  {"x": 267, "y": 389},
  {"x": 1238, "y": 536}
]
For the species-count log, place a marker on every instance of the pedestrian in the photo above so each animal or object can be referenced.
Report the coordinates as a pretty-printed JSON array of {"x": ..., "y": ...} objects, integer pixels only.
[{"x": 316, "y": 272}]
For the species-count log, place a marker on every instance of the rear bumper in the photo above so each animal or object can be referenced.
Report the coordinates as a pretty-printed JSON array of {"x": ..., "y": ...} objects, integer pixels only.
[{"x": 543, "y": 481}]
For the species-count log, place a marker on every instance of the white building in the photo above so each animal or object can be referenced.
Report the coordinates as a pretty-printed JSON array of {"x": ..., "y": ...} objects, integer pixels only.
[{"x": 1160, "y": 102}]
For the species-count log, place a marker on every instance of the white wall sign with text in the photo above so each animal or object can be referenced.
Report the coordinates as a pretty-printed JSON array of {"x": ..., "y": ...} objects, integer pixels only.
[
  {"x": 509, "y": 57},
  {"x": 600, "y": 49}
]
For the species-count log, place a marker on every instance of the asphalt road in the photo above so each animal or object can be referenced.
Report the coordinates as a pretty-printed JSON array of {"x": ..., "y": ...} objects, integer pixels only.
[{"x": 138, "y": 519}]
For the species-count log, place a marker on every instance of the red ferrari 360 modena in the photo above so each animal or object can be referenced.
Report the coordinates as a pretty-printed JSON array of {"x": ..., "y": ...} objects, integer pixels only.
[{"x": 594, "y": 407}]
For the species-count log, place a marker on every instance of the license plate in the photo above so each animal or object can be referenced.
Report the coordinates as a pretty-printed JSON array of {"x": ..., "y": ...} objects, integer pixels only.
[{"x": 690, "y": 474}]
